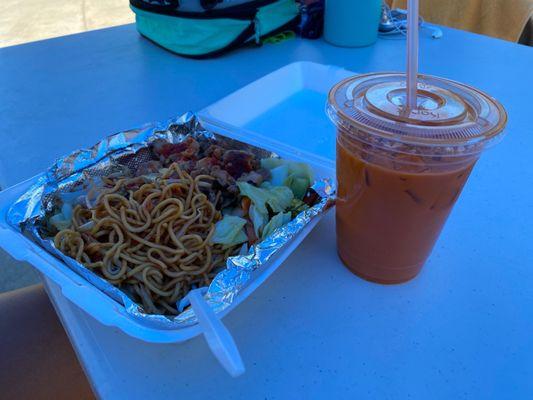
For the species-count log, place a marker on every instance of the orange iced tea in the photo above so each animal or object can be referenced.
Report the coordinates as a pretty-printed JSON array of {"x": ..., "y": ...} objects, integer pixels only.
[{"x": 401, "y": 170}]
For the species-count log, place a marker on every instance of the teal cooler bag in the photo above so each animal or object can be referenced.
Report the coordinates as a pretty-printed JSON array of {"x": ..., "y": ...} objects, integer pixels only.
[{"x": 207, "y": 28}]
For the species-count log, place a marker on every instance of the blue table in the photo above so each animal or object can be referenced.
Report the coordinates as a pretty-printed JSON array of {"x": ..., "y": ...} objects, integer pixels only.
[{"x": 462, "y": 329}]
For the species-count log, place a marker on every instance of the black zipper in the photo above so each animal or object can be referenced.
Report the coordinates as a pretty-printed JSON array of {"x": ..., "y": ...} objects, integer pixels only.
[{"x": 245, "y": 11}]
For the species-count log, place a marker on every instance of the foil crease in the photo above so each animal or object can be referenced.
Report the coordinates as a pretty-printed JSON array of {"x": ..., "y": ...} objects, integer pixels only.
[{"x": 123, "y": 150}]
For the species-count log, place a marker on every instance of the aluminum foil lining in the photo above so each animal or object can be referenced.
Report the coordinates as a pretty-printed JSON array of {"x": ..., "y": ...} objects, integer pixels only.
[{"x": 128, "y": 149}]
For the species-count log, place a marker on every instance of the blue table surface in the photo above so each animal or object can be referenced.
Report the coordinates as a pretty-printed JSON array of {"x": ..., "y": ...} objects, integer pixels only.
[{"x": 462, "y": 329}]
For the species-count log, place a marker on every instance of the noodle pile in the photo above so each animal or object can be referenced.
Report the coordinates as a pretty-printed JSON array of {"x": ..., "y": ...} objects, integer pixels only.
[{"x": 149, "y": 236}]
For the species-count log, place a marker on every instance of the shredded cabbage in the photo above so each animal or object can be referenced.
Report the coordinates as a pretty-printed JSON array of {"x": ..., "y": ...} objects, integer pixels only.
[
  {"x": 297, "y": 206},
  {"x": 229, "y": 231},
  {"x": 259, "y": 220},
  {"x": 277, "y": 221},
  {"x": 277, "y": 197},
  {"x": 298, "y": 186},
  {"x": 271, "y": 162},
  {"x": 62, "y": 220},
  {"x": 297, "y": 176},
  {"x": 279, "y": 174}
]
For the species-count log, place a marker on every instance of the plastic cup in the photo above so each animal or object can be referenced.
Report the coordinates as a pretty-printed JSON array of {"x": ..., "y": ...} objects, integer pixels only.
[
  {"x": 400, "y": 172},
  {"x": 352, "y": 23}
]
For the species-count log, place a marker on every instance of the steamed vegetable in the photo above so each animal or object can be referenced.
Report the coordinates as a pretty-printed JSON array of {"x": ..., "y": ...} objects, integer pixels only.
[
  {"x": 259, "y": 220},
  {"x": 271, "y": 163},
  {"x": 62, "y": 220},
  {"x": 295, "y": 175},
  {"x": 229, "y": 231},
  {"x": 278, "y": 198},
  {"x": 279, "y": 174},
  {"x": 276, "y": 222},
  {"x": 297, "y": 206},
  {"x": 298, "y": 185},
  {"x": 267, "y": 207}
]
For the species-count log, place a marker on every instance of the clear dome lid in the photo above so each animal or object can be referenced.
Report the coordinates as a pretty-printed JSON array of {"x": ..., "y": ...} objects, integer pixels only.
[{"x": 450, "y": 116}]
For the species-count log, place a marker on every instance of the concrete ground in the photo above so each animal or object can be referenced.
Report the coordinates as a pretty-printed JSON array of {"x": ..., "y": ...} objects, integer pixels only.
[
  {"x": 23, "y": 21},
  {"x": 15, "y": 274}
]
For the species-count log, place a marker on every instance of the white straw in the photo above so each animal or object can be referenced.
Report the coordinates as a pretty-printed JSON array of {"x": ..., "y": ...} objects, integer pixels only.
[{"x": 412, "y": 53}]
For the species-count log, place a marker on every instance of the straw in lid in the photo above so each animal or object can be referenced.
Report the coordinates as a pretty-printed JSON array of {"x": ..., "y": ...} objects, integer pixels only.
[{"x": 449, "y": 115}]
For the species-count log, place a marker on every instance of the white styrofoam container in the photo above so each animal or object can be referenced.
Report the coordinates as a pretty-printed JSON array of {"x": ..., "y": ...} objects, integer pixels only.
[
  {"x": 294, "y": 91},
  {"x": 103, "y": 308},
  {"x": 288, "y": 101}
]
